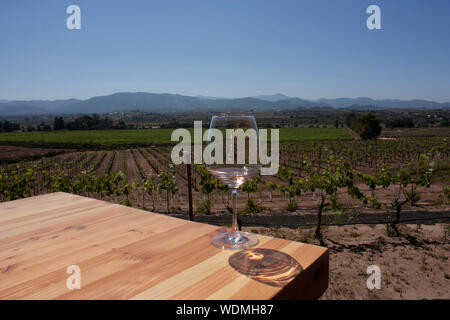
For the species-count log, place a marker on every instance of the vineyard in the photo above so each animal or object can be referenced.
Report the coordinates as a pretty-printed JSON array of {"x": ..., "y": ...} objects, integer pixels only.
[
  {"x": 318, "y": 181},
  {"x": 314, "y": 176},
  {"x": 110, "y": 139}
]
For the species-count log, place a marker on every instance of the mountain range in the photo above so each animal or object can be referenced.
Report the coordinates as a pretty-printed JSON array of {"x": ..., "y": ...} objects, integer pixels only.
[{"x": 161, "y": 102}]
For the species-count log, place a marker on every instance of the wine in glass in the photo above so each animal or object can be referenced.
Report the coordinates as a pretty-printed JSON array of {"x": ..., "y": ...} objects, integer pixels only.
[{"x": 240, "y": 163}]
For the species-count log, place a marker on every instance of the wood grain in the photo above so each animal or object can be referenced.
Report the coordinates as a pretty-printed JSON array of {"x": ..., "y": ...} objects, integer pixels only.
[{"x": 126, "y": 253}]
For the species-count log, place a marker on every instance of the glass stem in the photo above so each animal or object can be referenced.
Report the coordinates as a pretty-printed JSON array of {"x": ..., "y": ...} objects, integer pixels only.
[{"x": 234, "y": 225}]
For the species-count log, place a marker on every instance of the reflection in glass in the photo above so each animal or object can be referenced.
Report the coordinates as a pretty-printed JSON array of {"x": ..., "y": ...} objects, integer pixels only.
[{"x": 268, "y": 266}]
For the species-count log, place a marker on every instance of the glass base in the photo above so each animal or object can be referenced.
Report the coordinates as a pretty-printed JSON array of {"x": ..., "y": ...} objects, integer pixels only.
[{"x": 234, "y": 240}]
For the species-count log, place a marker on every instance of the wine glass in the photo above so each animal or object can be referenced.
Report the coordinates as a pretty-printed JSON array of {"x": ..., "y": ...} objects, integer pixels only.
[{"x": 239, "y": 163}]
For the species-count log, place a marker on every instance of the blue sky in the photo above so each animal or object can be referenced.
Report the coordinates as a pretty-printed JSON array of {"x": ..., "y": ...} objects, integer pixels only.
[{"x": 226, "y": 48}]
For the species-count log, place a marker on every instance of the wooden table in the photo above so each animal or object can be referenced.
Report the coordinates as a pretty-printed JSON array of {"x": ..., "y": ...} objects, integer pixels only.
[{"x": 126, "y": 253}]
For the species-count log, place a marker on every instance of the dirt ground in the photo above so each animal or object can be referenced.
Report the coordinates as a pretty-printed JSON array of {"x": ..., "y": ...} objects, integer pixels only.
[
  {"x": 416, "y": 132},
  {"x": 13, "y": 152},
  {"x": 414, "y": 264}
]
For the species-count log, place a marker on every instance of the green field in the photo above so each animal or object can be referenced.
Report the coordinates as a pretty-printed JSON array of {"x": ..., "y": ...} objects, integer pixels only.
[
  {"x": 307, "y": 134},
  {"x": 92, "y": 138}
]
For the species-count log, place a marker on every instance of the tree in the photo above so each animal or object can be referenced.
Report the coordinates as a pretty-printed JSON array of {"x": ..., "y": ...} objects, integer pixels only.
[
  {"x": 3, "y": 186},
  {"x": 291, "y": 188},
  {"x": 7, "y": 126},
  {"x": 251, "y": 186},
  {"x": 225, "y": 190},
  {"x": 88, "y": 183},
  {"x": 151, "y": 187},
  {"x": 58, "y": 124},
  {"x": 382, "y": 179},
  {"x": 108, "y": 184},
  {"x": 368, "y": 126},
  {"x": 208, "y": 185},
  {"x": 93, "y": 122},
  {"x": 400, "y": 197},
  {"x": 400, "y": 123},
  {"x": 415, "y": 173},
  {"x": 444, "y": 123},
  {"x": 125, "y": 189},
  {"x": 349, "y": 118},
  {"x": 371, "y": 182},
  {"x": 326, "y": 182},
  {"x": 168, "y": 183},
  {"x": 117, "y": 179},
  {"x": 445, "y": 196}
]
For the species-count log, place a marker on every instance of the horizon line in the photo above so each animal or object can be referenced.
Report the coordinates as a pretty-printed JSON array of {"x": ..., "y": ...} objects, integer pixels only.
[{"x": 222, "y": 97}]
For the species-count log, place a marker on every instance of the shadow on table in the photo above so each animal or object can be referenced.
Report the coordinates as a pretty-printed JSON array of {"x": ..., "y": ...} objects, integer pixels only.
[{"x": 268, "y": 266}]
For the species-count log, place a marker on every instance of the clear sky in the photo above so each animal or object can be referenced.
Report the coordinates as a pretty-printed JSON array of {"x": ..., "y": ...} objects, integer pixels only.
[{"x": 226, "y": 48}]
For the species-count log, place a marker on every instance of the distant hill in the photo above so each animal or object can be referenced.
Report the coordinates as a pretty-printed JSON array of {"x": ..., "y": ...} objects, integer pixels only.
[
  {"x": 306, "y": 103},
  {"x": 159, "y": 102},
  {"x": 33, "y": 107},
  {"x": 162, "y": 102},
  {"x": 210, "y": 98},
  {"x": 385, "y": 104},
  {"x": 367, "y": 108},
  {"x": 127, "y": 101},
  {"x": 273, "y": 97},
  {"x": 20, "y": 109}
]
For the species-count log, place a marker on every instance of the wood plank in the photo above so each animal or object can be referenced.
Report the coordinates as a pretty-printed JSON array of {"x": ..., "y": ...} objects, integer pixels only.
[
  {"x": 27, "y": 206},
  {"x": 126, "y": 253}
]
